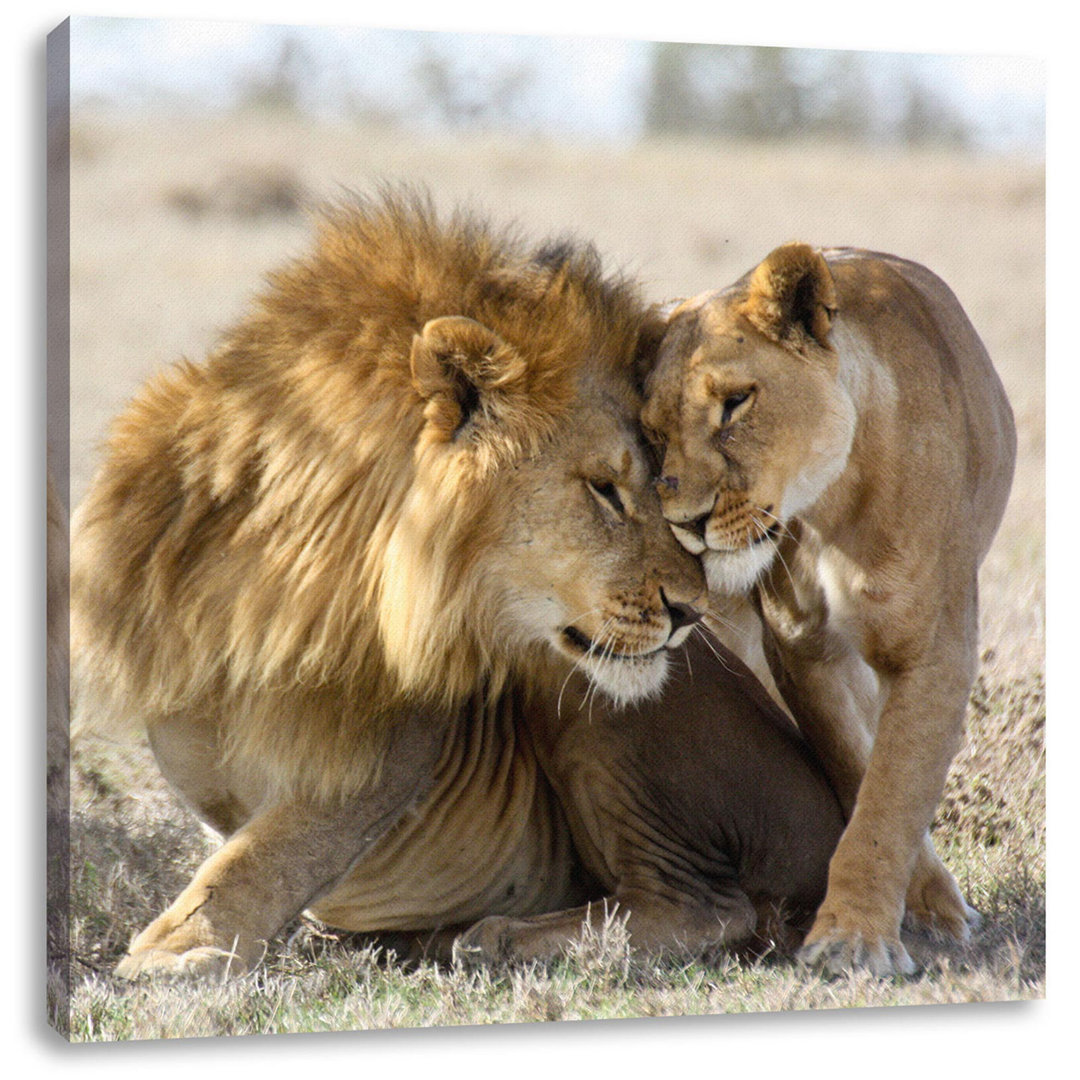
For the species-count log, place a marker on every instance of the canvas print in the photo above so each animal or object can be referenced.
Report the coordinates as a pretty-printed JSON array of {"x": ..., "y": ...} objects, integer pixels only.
[{"x": 539, "y": 529}]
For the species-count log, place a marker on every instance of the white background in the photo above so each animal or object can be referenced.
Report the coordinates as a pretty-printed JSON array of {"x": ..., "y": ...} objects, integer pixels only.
[{"x": 979, "y": 1040}]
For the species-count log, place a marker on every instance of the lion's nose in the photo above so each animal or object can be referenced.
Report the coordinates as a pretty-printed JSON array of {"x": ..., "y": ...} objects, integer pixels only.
[{"x": 680, "y": 614}]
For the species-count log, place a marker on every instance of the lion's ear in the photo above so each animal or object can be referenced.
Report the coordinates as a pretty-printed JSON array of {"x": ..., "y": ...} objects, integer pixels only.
[
  {"x": 792, "y": 298},
  {"x": 458, "y": 367},
  {"x": 650, "y": 334}
]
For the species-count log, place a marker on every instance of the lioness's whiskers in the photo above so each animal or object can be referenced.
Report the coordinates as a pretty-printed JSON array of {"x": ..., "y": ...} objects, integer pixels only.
[{"x": 775, "y": 546}]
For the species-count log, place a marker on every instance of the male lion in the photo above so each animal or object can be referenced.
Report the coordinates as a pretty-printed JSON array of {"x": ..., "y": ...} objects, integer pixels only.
[
  {"x": 361, "y": 573},
  {"x": 836, "y": 440}
]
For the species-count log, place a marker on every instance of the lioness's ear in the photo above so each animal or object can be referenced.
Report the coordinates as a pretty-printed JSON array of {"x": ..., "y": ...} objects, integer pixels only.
[
  {"x": 792, "y": 297},
  {"x": 651, "y": 333},
  {"x": 458, "y": 366}
]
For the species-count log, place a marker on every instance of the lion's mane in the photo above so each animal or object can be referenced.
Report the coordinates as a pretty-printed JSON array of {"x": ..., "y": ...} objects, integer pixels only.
[{"x": 271, "y": 539}]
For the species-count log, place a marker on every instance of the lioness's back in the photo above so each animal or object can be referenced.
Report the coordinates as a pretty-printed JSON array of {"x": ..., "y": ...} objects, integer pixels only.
[{"x": 881, "y": 291}]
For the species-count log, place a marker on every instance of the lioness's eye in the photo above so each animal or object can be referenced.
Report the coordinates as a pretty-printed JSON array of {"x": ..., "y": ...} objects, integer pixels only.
[
  {"x": 605, "y": 491},
  {"x": 654, "y": 448}
]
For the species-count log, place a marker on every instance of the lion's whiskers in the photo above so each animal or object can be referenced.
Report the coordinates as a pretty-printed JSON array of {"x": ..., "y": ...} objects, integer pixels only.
[
  {"x": 578, "y": 663},
  {"x": 604, "y": 658},
  {"x": 727, "y": 624},
  {"x": 704, "y": 634}
]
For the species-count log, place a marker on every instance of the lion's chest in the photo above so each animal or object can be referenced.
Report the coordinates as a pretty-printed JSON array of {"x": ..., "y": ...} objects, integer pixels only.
[{"x": 489, "y": 839}]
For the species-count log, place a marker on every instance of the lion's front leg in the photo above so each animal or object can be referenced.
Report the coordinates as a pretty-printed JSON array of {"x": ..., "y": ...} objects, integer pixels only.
[
  {"x": 654, "y": 925},
  {"x": 207, "y": 931},
  {"x": 268, "y": 871},
  {"x": 264, "y": 875}
]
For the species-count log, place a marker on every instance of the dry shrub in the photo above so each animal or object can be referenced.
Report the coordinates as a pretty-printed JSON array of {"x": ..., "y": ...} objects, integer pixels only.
[
  {"x": 247, "y": 192},
  {"x": 996, "y": 786}
]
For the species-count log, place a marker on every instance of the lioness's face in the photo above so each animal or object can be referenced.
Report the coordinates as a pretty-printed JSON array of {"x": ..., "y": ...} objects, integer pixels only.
[
  {"x": 586, "y": 562},
  {"x": 751, "y": 435}
]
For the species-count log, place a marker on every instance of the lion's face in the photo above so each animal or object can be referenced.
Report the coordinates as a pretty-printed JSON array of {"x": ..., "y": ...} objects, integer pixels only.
[
  {"x": 586, "y": 562},
  {"x": 752, "y": 425},
  {"x": 552, "y": 548}
]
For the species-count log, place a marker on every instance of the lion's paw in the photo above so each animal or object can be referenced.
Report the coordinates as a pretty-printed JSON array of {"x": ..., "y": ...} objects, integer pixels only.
[
  {"x": 206, "y": 962},
  {"x": 836, "y": 952},
  {"x": 483, "y": 943},
  {"x": 183, "y": 942}
]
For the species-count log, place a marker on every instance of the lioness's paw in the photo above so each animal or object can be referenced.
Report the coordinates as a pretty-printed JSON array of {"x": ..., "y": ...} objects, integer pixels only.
[
  {"x": 935, "y": 903},
  {"x": 205, "y": 962},
  {"x": 957, "y": 922},
  {"x": 836, "y": 952}
]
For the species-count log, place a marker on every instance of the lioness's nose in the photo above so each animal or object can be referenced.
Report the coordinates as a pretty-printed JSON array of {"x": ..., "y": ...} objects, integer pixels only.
[{"x": 697, "y": 525}]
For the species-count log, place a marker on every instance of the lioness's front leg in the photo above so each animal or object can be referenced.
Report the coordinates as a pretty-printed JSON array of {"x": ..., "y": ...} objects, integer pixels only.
[
  {"x": 837, "y": 697},
  {"x": 934, "y": 900},
  {"x": 270, "y": 869},
  {"x": 858, "y": 923}
]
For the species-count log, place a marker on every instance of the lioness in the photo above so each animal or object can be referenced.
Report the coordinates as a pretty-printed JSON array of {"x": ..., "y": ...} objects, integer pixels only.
[
  {"x": 361, "y": 574},
  {"x": 836, "y": 441}
]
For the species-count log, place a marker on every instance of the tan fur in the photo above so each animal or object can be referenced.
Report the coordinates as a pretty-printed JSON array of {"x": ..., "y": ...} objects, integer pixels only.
[
  {"x": 362, "y": 574},
  {"x": 837, "y": 443}
]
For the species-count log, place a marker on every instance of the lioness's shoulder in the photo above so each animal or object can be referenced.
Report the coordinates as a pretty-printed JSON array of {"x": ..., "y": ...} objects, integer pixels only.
[{"x": 862, "y": 275}]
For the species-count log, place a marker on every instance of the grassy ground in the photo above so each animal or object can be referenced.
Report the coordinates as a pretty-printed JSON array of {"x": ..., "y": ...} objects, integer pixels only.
[
  {"x": 169, "y": 240},
  {"x": 133, "y": 848}
]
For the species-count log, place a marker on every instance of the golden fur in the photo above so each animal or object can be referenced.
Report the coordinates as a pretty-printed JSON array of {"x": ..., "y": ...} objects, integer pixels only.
[
  {"x": 361, "y": 575},
  {"x": 288, "y": 533},
  {"x": 836, "y": 441}
]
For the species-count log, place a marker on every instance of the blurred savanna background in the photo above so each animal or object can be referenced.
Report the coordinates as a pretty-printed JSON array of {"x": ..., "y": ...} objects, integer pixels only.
[{"x": 197, "y": 151}]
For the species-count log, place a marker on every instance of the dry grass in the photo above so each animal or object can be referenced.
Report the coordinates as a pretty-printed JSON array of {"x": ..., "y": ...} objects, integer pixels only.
[
  {"x": 133, "y": 848},
  {"x": 152, "y": 280}
]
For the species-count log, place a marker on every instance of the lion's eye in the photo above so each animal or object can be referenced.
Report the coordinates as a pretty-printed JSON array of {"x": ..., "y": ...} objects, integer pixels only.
[
  {"x": 735, "y": 405},
  {"x": 606, "y": 492}
]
